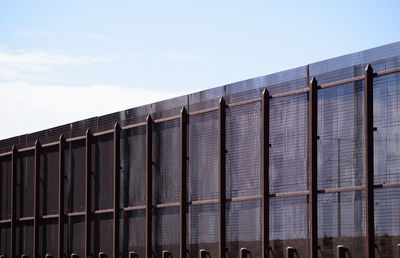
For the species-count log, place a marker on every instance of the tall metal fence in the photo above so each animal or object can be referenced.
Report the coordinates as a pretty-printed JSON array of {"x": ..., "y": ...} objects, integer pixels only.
[{"x": 308, "y": 167}]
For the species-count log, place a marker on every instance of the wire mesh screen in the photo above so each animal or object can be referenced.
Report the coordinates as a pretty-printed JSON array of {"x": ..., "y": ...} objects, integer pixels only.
[
  {"x": 341, "y": 221},
  {"x": 288, "y": 139},
  {"x": 103, "y": 176},
  {"x": 76, "y": 176},
  {"x": 288, "y": 222},
  {"x": 24, "y": 187},
  {"x": 243, "y": 150},
  {"x": 166, "y": 158},
  {"x": 48, "y": 190},
  {"x": 341, "y": 161},
  {"x": 166, "y": 231},
  {"x": 243, "y": 228},
  {"x": 5, "y": 187},
  {"x": 203, "y": 145},
  {"x": 48, "y": 235},
  {"x": 133, "y": 163},
  {"x": 203, "y": 229}
]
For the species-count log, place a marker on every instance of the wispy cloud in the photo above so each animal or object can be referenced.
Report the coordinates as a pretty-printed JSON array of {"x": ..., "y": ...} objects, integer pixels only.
[
  {"x": 186, "y": 57},
  {"x": 37, "y": 107},
  {"x": 28, "y": 32},
  {"x": 88, "y": 35},
  {"x": 28, "y": 64}
]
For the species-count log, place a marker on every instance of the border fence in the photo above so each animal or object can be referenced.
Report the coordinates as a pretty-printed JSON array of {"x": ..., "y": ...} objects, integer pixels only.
[{"x": 307, "y": 167}]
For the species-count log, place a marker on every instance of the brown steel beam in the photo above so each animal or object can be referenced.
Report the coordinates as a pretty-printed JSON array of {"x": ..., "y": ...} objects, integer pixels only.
[
  {"x": 36, "y": 197},
  {"x": 312, "y": 160},
  {"x": 14, "y": 157},
  {"x": 117, "y": 151},
  {"x": 61, "y": 166},
  {"x": 183, "y": 201},
  {"x": 149, "y": 184},
  {"x": 369, "y": 161},
  {"x": 265, "y": 174},
  {"x": 222, "y": 177},
  {"x": 88, "y": 175}
]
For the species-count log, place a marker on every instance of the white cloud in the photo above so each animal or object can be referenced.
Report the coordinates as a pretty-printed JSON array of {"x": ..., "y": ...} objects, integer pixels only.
[
  {"x": 29, "y": 107},
  {"x": 186, "y": 57},
  {"x": 26, "y": 65}
]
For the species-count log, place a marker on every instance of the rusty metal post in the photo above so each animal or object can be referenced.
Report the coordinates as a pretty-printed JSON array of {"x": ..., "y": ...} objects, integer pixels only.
[
  {"x": 117, "y": 134},
  {"x": 290, "y": 252},
  {"x": 312, "y": 160},
  {"x": 13, "y": 201},
  {"x": 183, "y": 201},
  {"x": 244, "y": 253},
  {"x": 88, "y": 212},
  {"x": 133, "y": 255},
  {"x": 203, "y": 253},
  {"x": 222, "y": 176},
  {"x": 149, "y": 186},
  {"x": 166, "y": 254},
  {"x": 61, "y": 167},
  {"x": 265, "y": 173},
  {"x": 36, "y": 198},
  {"x": 398, "y": 250},
  {"x": 369, "y": 161},
  {"x": 341, "y": 251}
]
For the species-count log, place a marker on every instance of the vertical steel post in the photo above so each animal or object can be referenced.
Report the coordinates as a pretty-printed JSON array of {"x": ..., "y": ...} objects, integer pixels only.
[
  {"x": 398, "y": 250},
  {"x": 265, "y": 173},
  {"x": 290, "y": 252},
  {"x": 340, "y": 251},
  {"x": 222, "y": 176},
  {"x": 149, "y": 186},
  {"x": 183, "y": 201},
  {"x": 312, "y": 160},
  {"x": 13, "y": 201},
  {"x": 36, "y": 197},
  {"x": 117, "y": 150},
  {"x": 88, "y": 213},
  {"x": 369, "y": 161},
  {"x": 61, "y": 167}
]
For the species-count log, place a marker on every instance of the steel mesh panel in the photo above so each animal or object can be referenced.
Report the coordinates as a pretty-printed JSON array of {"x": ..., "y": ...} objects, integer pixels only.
[
  {"x": 203, "y": 229},
  {"x": 243, "y": 150},
  {"x": 48, "y": 186},
  {"x": 243, "y": 227},
  {"x": 387, "y": 137},
  {"x": 166, "y": 231},
  {"x": 203, "y": 156},
  {"x": 48, "y": 236},
  {"x": 288, "y": 222},
  {"x": 75, "y": 161},
  {"x": 341, "y": 220},
  {"x": 134, "y": 236},
  {"x": 76, "y": 235},
  {"x": 101, "y": 227},
  {"x": 5, "y": 239},
  {"x": 24, "y": 187},
  {"x": 133, "y": 161},
  {"x": 24, "y": 238},
  {"x": 341, "y": 154},
  {"x": 387, "y": 221},
  {"x": 5, "y": 188},
  {"x": 103, "y": 167},
  {"x": 288, "y": 139},
  {"x": 166, "y": 158}
]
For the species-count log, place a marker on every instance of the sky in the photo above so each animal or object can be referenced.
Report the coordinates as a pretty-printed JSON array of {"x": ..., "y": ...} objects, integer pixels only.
[{"x": 63, "y": 61}]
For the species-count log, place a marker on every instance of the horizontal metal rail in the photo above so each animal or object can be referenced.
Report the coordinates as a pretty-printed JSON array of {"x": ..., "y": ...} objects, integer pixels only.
[{"x": 214, "y": 201}]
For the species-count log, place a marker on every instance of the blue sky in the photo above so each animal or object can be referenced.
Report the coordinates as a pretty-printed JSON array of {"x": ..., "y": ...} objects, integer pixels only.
[{"x": 71, "y": 57}]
